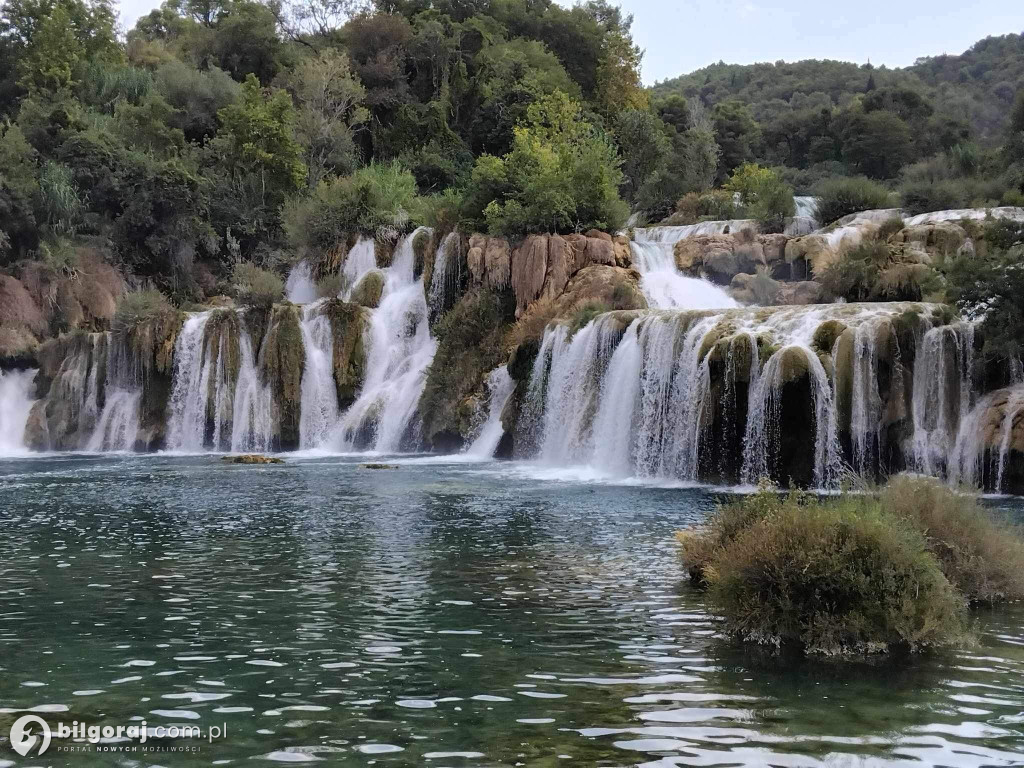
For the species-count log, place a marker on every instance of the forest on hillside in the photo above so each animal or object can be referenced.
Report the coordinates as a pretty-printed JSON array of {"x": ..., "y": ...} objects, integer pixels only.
[{"x": 217, "y": 142}]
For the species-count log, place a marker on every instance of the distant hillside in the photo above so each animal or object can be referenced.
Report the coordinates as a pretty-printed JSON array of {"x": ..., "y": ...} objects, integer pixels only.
[{"x": 977, "y": 85}]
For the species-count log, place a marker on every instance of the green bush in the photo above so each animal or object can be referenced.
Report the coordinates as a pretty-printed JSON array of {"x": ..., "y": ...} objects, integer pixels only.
[
  {"x": 442, "y": 213},
  {"x": 925, "y": 196},
  {"x": 138, "y": 307},
  {"x": 713, "y": 205},
  {"x": 585, "y": 313},
  {"x": 562, "y": 175},
  {"x": 375, "y": 200},
  {"x": 826, "y": 576},
  {"x": 981, "y": 557},
  {"x": 872, "y": 271},
  {"x": 256, "y": 287},
  {"x": 843, "y": 196},
  {"x": 763, "y": 195}
]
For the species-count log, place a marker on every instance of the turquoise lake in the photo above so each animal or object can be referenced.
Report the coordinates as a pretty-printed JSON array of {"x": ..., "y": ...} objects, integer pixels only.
[{"x": 442, "y": 614}]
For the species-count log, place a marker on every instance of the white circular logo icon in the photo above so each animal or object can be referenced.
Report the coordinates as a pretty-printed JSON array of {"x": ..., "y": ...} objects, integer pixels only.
[{"x": 23, "y": 739}]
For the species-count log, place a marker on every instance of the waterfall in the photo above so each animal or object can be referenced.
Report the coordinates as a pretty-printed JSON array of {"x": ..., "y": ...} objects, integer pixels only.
[
  {"x": 15, "y": 403},
  {"x": 399, "y": 350},
  {"x": 866, "y": 400},
  {"x": 764, "y": 422},
  {"x": 688, "y": 395},
  {"x": 300, "y": 288},
  {"x": 319, "y": 405},
  {"x": 629, "y": 398},
  {"x": 361, "y": 258},
  {"x": 186, "y": 420},
  {"x": 663, "y": 285},
  {"x": 942, "y": 394},
  {"x": 980, "y": 437},
  {"x": 444, "y": 281},
  {"x": 499, "y": 389},
  {"x": 117, "y": 428},
  {"x": 252, "y": 418}
]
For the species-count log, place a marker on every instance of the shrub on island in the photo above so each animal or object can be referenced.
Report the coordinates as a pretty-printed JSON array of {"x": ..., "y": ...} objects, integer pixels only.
[{"x": 867, "y": 573}]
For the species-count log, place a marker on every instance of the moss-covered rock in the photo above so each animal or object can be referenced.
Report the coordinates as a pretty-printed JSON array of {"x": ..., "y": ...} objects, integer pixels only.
[
  {"x": 348, "y": 325},
  {"x": 369, "y": 289},
  {"x": 470, "y": 344},
  {"x": 252, "y": 458},
  {"x": 283, "y": 361}
]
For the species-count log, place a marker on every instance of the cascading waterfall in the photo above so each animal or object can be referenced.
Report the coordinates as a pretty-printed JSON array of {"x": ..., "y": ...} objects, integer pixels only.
[
  {"x": 690, "y": 394},
  {"x": 300, "y": 288},
  {"x": 942, "y": 394},
  {"x": 118, "y": 425},
  {"x": 187, "y": 409},
  {"x": 361, "y": 258},
  {"x": 252, "y": 419},
  {"x": 218, "y": 398},
  {"x": 499, "y": 388},
  {"x": 447, "y": 273},
  {"x": 15, "y": 404},
  {"x": 764, "y": 421},
  {"x": 661, "y": 282},
  {"x": 399, "y": 350},
  {"x": 319, "y": 405}
]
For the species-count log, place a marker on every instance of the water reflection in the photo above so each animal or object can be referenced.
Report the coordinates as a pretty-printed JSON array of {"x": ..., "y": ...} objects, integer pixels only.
[{"x": 440, "y": 614}]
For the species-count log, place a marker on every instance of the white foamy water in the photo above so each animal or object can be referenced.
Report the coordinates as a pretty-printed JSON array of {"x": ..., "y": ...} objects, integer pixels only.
[
  {"x": 319, "y": 404},
  {"x": 362, "y": 258},
  {"x": 631, "y": 395},
  {"x": 399, "y": 351},
  {"x": 499, "y": 388},
  {"x": 300, "y": 288},
  {"x": 663, "y": 285},
  {"x": 15, "y": 403}
]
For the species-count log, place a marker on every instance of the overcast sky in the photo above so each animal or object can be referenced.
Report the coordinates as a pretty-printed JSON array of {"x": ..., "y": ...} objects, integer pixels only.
[{"x": 679, "y": 37}]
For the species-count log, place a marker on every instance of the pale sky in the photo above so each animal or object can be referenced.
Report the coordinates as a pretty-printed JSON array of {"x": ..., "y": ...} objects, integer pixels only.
[{"x": 679, "y": 37}]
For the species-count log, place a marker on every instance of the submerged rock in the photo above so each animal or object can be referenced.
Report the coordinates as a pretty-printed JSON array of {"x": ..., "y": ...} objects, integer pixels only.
[
  {"x": 252, "y": 458},
  {"x": 378, "y": 466}
]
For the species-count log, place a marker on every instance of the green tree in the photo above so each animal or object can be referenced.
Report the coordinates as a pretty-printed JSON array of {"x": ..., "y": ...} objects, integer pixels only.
[
  {"x": 876, "y": 144},
  {"x": 643, "y": 147},
  {"x": 561, "y": 175},
  {"x": 764, "y": 195},
  {"x": 18, "y": 190},
  {"x": 330, "y": 112},
  {"x": 258, "y": 138},
  {"x": 736, "y": 133}
]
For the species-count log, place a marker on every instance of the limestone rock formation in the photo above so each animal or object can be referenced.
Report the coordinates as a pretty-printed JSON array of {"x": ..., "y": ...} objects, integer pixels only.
[
  {"x": 368, "y": 290},
  {"x": 721, "y": 257}
]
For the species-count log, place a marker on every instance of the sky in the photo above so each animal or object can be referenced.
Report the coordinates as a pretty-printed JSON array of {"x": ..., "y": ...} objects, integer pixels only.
[{"x": 679, "y": 37}]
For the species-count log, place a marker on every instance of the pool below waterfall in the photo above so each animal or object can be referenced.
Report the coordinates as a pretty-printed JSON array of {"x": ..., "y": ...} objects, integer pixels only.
[{"x": 442, "y": 613}]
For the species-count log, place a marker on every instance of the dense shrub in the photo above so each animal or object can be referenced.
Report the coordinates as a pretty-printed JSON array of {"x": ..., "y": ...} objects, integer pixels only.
[
  {"x": 841, "y": 197},
  {"x": 925, "y": 196},
  {"x": 713, "y": 205},
  {"x": 256, "y": 287},
  {"x": 562, "y": 175},
  {"x": 374, "y": 200},
  {"x": 873, "y": 271},
  {"x": 763, "y": 195},
  {"x": 830, "y": 577},
  {"x": 981, "y": 557},
  {"x": 138, "y": 307}
]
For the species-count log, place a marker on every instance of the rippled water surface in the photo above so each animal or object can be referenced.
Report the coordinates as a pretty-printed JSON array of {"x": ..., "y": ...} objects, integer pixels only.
[{"x": 438, "y": 614}]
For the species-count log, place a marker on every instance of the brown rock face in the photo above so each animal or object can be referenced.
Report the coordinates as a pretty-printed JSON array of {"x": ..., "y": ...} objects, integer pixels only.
[{"x": 529, "y": 270}]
